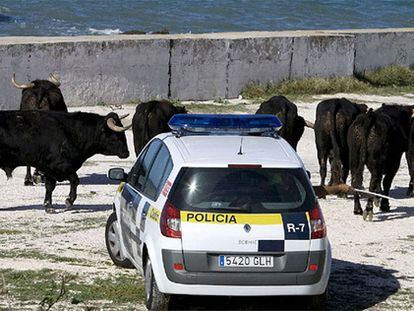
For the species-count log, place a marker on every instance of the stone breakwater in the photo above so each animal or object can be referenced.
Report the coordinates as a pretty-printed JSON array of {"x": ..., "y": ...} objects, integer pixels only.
[{"x": 120, "y": 69}]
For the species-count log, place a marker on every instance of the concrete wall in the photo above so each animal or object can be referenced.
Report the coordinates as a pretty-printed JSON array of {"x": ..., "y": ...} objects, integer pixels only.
[{"x": 119, "y": 69}]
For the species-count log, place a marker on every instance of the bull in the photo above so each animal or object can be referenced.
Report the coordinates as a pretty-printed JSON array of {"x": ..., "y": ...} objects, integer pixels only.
[
  {"x": 150, "y": 119},
  {"x": 287, "y": 112},
  {"x": 333, "y": 119},
  {"x": 378, "y": 139},
  {"x": 410, "y": 160},
  {"x": 58, "y": 143},
  {"x": 40, "y": 95}
]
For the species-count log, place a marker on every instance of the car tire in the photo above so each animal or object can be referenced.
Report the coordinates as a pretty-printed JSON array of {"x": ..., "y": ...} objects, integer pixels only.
[
  {"x": 113, "y": 243},
  {"x": 154, "y": 299},
  {"x": 319, "y": 302}
]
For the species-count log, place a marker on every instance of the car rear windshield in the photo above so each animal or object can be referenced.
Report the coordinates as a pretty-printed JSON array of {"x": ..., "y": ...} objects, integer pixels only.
[{"x": 242, "y": 190}]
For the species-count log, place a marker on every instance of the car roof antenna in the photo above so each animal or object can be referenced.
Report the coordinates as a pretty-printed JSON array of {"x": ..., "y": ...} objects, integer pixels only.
[{"x": 241, "y": 144}]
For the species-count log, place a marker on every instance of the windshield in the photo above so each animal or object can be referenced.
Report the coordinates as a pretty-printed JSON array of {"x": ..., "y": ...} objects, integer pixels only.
[{"x": 244, "y": 190}]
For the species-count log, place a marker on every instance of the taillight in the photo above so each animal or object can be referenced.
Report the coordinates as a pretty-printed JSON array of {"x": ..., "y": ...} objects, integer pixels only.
[
  {"x": 170, "y": 223},
  {"x": 317, "y": 222}
]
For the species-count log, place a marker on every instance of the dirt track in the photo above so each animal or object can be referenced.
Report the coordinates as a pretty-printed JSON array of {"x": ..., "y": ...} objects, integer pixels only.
[{"x": 373, "y": 262}]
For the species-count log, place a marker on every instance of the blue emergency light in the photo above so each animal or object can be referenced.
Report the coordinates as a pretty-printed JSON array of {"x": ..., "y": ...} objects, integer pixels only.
[{"x": 224, "y": 123}]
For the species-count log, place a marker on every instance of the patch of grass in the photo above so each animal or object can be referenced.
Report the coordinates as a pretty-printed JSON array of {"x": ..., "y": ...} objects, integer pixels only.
[
  {"x": 175, "y": 101},
  {"x": 393, "y": 76},
  {"x": 101, "y": 103},
  {"x": 408, "y": 238},
  {"x": 386, "y": 81},
  {"x": 35, "y": 285},
  {"x": 134, "y": 102},
  {"x": 35, "y": 254},
  {"x": 9, "y": 231},
  {"x": 311, "y": 86},
  {"x": 85, "y": 223},
  {"x": 204, "y": 108}
]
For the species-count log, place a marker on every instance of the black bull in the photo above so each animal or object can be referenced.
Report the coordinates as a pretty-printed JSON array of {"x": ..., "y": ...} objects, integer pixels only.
[
  {"x": 293, "y": 124},
  {"x": 150, "y": 119},
  {"x": 333, "y": 119},
  {"x": 40, "y": 95},
  {"x": 378, "y": 139},
  {"x": 57, "y": 144}
]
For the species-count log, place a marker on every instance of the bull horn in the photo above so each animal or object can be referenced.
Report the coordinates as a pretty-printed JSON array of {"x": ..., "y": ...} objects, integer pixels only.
[
  {"x": 54, "y": 80},
  {"x": 124, "y": 116},
  {"x": 21, "y": 86},
  {"x": 309, "y": 124},
  {"x": 111, "y": 124}
]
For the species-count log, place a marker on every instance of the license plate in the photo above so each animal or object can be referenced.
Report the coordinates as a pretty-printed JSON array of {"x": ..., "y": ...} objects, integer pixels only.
[{"x": 245, "y": 261}]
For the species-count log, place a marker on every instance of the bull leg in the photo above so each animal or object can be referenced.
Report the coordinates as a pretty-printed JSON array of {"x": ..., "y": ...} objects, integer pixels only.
[
  {"x": 322, "y": 167},
  {"x": 345, "y": 173},
  {"x": 357, "y": 205},
  {"x": 345, "y": 167},
  {"x": 410, "y": 189},
  {"x": 410, "y": 161},
  {"x": 335, "y": 170},
  {"x": 50, "y": 185},
  {"x": 385, "y": 204},
  {"x": 74, "y": 182},
  {"x": 356, "y": 183},
  {"x": 28, "y": 180},
  {"x": 374, "y": 186},
  {"x": 331, "y": 164}
]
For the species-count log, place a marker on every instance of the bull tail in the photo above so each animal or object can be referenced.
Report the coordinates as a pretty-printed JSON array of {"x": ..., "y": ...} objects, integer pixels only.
[
  {"x": 8, "y": 172},
  {"x": 290, "y": 116},
  {"x": 334, "y": 140},
  {"x": 368, "y": 123},
  {"x": 146, "y": 137},
  {"x": 358, "y": 147}
]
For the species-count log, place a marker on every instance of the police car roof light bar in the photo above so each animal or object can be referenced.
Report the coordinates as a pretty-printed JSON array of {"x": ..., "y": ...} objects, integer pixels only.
[{"x": 204, "y": 124}]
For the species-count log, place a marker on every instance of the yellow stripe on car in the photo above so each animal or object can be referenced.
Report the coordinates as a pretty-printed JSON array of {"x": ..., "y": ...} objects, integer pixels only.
[
  {"x": 225, "y": 218},
  {"x": 120, "y": 187}
]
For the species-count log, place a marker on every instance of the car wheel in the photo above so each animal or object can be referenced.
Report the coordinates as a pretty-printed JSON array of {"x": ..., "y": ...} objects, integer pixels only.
[
  {"x": 319, "y": 302},
  {"x": 113, "y": 243},
  {"x": 154, "y": 299}
]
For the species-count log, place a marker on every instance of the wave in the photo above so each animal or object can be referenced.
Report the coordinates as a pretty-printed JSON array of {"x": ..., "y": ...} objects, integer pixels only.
[{"x": 107, "y": 31}]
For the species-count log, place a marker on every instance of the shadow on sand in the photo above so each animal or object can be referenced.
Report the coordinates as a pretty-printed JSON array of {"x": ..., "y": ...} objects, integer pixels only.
[
  {"x": 399, "y": 193},
  {"x": 60, "y": 208},
  {"x": 395, "y": 213},
  {"x": 352, "y": 286},
  {"x": 97, "y": 179}
]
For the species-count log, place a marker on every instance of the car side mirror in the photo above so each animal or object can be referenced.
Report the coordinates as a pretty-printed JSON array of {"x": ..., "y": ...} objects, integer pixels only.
[
  {"x": 117, "y": 174},
  {"x": 309, "y": 174}
]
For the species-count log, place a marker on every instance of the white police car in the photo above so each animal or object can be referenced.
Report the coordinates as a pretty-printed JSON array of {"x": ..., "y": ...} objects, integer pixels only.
[{"x": 220, "y": 206}]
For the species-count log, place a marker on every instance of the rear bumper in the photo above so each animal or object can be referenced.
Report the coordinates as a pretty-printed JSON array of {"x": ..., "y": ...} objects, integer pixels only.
[
  {"x": 247, "y": 284},
  {"x": 241, "y": 277}
]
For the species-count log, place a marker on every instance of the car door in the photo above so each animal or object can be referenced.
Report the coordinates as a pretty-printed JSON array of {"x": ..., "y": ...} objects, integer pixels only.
[
  {"x": 132, "y": 197},
  {"x": 149, "y": 210}
]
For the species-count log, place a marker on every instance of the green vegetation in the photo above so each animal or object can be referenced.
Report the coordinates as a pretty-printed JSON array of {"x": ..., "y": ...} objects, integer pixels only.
[
  {"x": 35, "y": 254},
  {"x": 46, "y": 285},
  {"x": 212, "y": 108},
  {"x": 9, "y": 231},
  {"x": 408, "y": 238},
  {"x": 393, "y": 76},
  {"x": 386, "y": 81}
]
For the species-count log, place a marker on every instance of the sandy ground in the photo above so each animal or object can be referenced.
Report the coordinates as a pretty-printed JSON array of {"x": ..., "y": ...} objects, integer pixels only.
[{"x": 373, "y": 263}]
